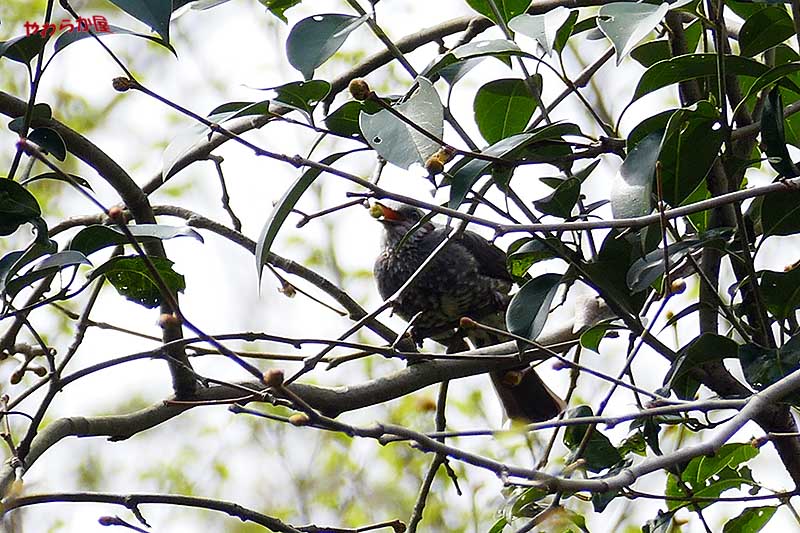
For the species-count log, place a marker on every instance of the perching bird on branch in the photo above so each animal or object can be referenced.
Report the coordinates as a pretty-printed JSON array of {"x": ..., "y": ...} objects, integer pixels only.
[{"x": 467, "y": 279}]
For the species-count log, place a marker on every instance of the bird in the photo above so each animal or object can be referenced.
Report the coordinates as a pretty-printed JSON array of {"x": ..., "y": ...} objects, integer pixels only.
[{"x": 468, "y": 279}]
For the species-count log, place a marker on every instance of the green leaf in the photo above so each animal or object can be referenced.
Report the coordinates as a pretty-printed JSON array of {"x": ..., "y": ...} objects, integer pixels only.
[
  {"x": 693, "y": 66},
  {"x": 67, "y": 38},
  {"x": 650, "y": 53},
  {"x": 45, "y": 268},
  {"x": 543, "y": 28},
  {"x": 313, "y": 40},
  {"x": 395, "y": 140},
  {"x": 498, "y": 526},
  {"x": 40, "y": 111},
  {"x": 529, "y": 308},
  {"x": 74, "y": 179},
  {"x": 283, "y": 208},
  {"x": 279, "y": 7},
  {"x": 599, "y": 453},
  {"x": 23, "y": 49},
  {"x": 154, "y": 13},
  {"x": 17, "y": 206},
  {"x": 523, "y": 254},
  {"x": 764, "y": 29},
  {"x": 132, "y": 279},
  {"x": 96, "y": 237},
  {"x": 705, "y": 348},
  {"x": 633, "y": 184},
  {"x": 644, "y": 271},
  {"x": 768, "y": 79},
  {"x": 764, "y": 366},
  {"x": 781, "y": 292},
  {"x": 302, "y": 95},
  {"x": 50, "y": 141},
  {"x": 503, "y": 107},
  {"x": 773, "y": 137},
  {"x": 344, "y": 120},
  {"x": 508, "y": 8},
  {"x": 498, "y": 48},
  {"x": 13, "y": 262},
  {"x": 780, "y": 213},
  {"x": 590, "y": 339},
  {"x": 560, "y": 202},
  {"x": 751, "y": 520},
  {"x": 627, "y": 23},
  {"x": 607, "y": 273},
  {"x": 465, "y": 175}
]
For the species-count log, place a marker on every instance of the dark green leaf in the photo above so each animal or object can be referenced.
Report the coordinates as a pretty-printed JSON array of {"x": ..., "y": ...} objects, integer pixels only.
[
  {"x": 646, "y": 270},
  {"x": 344, "y": 120},
  {"x": 560, "y": 202},
  {"x": 764, "y": 29},
  {"x": 45, "y": 268},
  {"x": 50, "y": 141},
  {"x": 498, "y": 48},
  {"x": 395, "y": 140},
  {"x": 67, "y": 38},
  {"x": 498, "y": 526},
  {"x": 662, "y": 523},
  {"x": 599, "y": 454},
  {"x": 751, "y": 520},
  {"x": 565, "y": 32},
  {"x": 543, "y": 28},
  {"x": 590, "y": 339},
  {"x": 781, "y": 292},
  {"x": 607, "y": 273},
  {"x": 132, "y": 279},
  {"x": 525, "y": 253},
  {"x": 772, "y": 135},
  {"x": 705, "y": 348},
  {"x": 302, "y": 95},
  {"x": 154, "y": 13},
  {"x": 13, "y": 262},
  {"x": 529, "y": 308},
  {"x": 503, "y": 107},
  {"x": 17, "y": 206},
  {"x": 93, "y": 238},
  {"x": 313, "y": 40},
  {"x": 627, "y": 23},
  {"x": 22, "y": 49},
  {"x": 780, "y": 213},
  {"x": 764, "y": 366},
  {"x": 508, "y": 8},
  {"x": 648, "y": 54},
  {"x": 40, "y": 111},
  {"x": 279, "y": 7},
  {"x": 283, "y": 208}
]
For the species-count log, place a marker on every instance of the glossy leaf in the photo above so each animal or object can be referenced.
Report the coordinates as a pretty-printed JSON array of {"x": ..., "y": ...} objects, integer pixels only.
[
  {"x": 302, "y": 95},
  {"x": 503, "y": 107},
  {"x": 40, "y": 111},
  {"x": 45, "y": 268},
  {"x": 750, "y": 520},
  {"x": 395, "y": 140},
  {"x": 313, "y": 40},
  {"x": 13, "y": 262},
  {"x": 523, "y": 254},
  {"x": 279, "y": 7},
  {"x": 599, "y": 454},
  {"x": 542, "y": 28},
  {"x": 49, "y": 140},
  {"x": 705, "y": 348},
  {"x": 282, "y": 209},
  {"x": 508, "y": 8},
  {"x": 627, "y": 23},
  {"x": 590, "y": 339},
  {"x": 773, "y": 137},
  {"x": 560, "y": 202},
  {"x": 67, "y": 38},
  {"x": 154, "y": 13},
  {"x": 764, "y": 366},
  {"x": 96, "y": 237},
  {"x": 22, "y": 49},
  {"x": 529, "y": 308},
  {"x": 132, "y": 279},
  {"x": 633, "y": 184},
  {"x": 607, "y": 272},
  {"x": 344, "y": 120},
  {"x": 781, "y": 292},
  {"x": 499, "y": 48},
  {"x": 765, "y": 29},
  {"x": 17, "y": 206}
]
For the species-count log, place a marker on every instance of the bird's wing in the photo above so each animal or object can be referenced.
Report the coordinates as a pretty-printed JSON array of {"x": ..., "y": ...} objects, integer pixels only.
[{"x": 491, "y": 259}]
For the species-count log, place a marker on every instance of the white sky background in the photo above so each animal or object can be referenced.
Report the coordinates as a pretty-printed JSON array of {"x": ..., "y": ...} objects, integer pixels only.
[{"x": 222, "y": 52}]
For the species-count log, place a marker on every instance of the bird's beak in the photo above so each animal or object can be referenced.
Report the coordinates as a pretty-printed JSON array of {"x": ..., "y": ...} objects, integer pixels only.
[{"x": 384, "y": 213}]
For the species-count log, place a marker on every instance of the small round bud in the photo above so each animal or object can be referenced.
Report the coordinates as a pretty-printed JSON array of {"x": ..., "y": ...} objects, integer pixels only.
[
  {"x": 466, "y": 322},
  {"x": 512, "y": 378},
  {"x": 16, "y": 376},
  {"x": 359, "y": 89},
  {"x": 273, "y": 377},
  {"x": 168, "y": 320},
  {"x": 669, "y": 315},
  {"x": 299, "y": 419},
  {"x": 116, "y": 214},
  {"x": 108, "y": 521},
  {"x": 39, "y": 370},
  {"x": 678, "y": 286},
  {"x": 122, "y": 84},
  {"x": 434, "y": 165}
]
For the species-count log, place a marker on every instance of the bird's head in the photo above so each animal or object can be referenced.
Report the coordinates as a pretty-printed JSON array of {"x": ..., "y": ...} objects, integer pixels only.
[{"x": 398, "y": 219}]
